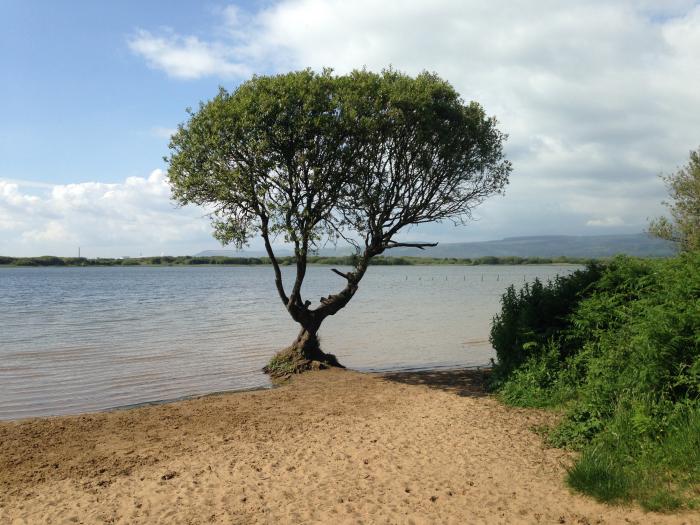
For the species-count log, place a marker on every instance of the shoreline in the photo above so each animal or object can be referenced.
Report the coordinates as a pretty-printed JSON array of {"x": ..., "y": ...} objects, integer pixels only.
[
  {"x": 329, "y": 446},
  {"x": 271, "y": 386},
  {"x": 238, "y": 265}
]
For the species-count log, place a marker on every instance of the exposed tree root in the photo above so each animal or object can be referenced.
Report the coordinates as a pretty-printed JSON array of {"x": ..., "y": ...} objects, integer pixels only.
[{"x": 303, "y": 355}]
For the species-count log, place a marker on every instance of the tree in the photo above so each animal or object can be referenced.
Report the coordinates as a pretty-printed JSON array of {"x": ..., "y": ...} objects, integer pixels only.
[
  {"x": 684, "y": 189},
  {"x": 313, "y": 157}
]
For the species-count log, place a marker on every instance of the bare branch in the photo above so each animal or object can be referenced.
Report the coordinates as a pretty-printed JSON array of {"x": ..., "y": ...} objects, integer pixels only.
[
  {"x": 343, "y": 275},
  {"x": 419, "y": 245}
]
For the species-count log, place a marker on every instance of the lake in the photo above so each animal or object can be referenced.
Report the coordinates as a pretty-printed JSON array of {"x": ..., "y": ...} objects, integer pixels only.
[{"x": 83, "y": 339}]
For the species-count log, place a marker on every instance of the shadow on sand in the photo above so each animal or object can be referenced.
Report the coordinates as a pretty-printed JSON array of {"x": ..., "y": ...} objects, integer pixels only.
[{"x": 465, "y": 382}]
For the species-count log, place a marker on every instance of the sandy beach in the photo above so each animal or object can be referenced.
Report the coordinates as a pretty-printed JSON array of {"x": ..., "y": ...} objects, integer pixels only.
[{"x": 327, "y": 447}]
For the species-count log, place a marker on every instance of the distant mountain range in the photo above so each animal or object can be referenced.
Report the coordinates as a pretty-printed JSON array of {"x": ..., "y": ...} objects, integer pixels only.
[{"x": 639, "y": 245}]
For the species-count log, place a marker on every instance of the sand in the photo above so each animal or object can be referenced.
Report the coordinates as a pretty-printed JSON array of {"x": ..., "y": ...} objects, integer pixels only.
[{"x": 328, "y": 447}]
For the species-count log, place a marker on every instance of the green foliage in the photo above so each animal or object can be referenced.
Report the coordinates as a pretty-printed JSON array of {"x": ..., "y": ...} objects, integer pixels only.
[
  {"x": 684, "y": 189},
  {"x": 618, "y": 348},
  {"x": 256, "y": 155},
  {"x": 535, "y": 316},
  {"x": 627, "y": 461},
  {"x": 537, "y": 382}
]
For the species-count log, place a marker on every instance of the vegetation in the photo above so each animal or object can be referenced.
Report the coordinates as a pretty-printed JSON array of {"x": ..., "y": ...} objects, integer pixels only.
[
  {"x": 314, "y": 157},
  {"x": 284, "y": 261},
  {"x": 684, "y": 225},
  {"x": 617, "y": 348}
]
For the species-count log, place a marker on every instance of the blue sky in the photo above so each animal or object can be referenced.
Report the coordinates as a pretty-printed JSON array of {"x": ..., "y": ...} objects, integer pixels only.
[
  {"x": 78, "y": 105},
  {"x": 598, "y": 98}
]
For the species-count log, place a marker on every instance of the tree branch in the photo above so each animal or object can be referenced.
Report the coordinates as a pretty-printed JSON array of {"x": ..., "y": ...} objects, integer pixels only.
[
  {"x": 343, "y": 275},
  {"x": 275, "y": 264},
  {"x": 419, "y": 245}
]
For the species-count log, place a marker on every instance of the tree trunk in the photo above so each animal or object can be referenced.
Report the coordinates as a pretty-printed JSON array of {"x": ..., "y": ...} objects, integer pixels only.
[{"x": 303, "y": 354}]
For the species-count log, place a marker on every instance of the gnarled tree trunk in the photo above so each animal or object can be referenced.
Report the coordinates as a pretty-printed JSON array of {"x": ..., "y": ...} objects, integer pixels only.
[{"x": 303, "y": 354}]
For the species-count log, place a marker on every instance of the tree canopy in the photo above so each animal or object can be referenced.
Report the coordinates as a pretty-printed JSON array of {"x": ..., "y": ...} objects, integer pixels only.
[
  {"x": 315, "y": 157},
  {"x": 684, "y": 189}
]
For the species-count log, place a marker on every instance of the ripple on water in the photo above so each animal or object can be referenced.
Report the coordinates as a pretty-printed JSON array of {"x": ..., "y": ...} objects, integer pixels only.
[{"x": 83, "y": 339}]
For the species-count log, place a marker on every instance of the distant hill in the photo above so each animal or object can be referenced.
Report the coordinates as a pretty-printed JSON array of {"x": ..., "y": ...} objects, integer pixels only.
[
  {"x": 639, "y": 245},
  {"x": 594, "y": 246}
]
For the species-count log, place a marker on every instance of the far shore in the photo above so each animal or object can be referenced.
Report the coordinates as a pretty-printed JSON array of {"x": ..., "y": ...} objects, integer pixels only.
[
  {"x": 186, "y": 260},
  {"x": 331, "y": 446}
]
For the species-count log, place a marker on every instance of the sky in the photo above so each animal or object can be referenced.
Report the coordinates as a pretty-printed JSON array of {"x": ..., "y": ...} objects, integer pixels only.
[{"x": 598, "y": 98}]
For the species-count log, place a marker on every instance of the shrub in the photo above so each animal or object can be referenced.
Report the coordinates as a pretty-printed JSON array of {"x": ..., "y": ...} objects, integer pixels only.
[
  {"x": 618, "y": 347},
  {"x": 536, "y": 315}
]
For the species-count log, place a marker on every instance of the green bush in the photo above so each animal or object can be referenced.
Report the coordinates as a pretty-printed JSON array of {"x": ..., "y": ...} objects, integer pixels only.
[
  {"x": 537, "y": 315},
  {"x": 617, "y": 347}
]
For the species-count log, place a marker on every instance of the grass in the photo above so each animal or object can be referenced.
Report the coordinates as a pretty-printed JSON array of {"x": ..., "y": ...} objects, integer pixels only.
[{"x": 661, "y": 475}]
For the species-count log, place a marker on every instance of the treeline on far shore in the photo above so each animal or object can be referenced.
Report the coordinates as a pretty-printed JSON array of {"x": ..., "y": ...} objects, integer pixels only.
[{"x": 49, "y": 260}]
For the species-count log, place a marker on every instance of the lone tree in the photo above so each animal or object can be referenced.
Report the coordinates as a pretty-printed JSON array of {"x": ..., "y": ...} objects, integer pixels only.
[
  {"x": 312, "y": 157},
  {"x": 684, "y": 226}
]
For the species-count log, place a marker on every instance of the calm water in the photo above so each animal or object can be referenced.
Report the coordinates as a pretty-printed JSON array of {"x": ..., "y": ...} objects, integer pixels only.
[{"x": 82, "y": 339}]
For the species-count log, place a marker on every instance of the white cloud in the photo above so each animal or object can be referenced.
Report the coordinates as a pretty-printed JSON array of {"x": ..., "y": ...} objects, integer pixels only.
[
  {"x": 162, "y": 132},
  {"x": 133, "y": 216},
  {"x": 185, "y": 57},
  {"x": 605, "y": 222},
  {"x": 52, "y": 232},
  {"x": 598, "y": 97}
]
